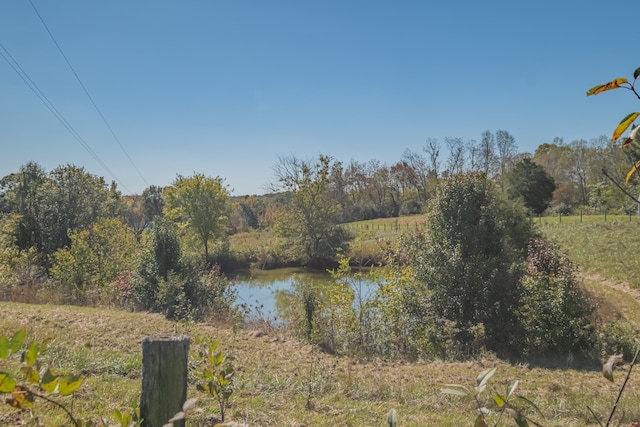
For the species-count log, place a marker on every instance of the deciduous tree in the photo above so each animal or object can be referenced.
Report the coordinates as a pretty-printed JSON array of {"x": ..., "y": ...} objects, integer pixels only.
[
  {"x": 530, "y": 183},
  {"x": 308, "y": 221},
  {"x": 199, "y": 202}
]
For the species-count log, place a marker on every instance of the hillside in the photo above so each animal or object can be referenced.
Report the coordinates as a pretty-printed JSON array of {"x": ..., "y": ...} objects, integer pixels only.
[{"x": 287, "y": 383}]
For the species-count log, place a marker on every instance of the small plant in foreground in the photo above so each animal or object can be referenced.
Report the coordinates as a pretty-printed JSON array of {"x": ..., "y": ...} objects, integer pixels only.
[
  {"x": 505, "y": 402},
  {"x": 214, "y": 374}
]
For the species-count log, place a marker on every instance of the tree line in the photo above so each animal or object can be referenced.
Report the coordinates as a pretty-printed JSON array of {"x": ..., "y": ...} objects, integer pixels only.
[{"x": 71, "y": 227}]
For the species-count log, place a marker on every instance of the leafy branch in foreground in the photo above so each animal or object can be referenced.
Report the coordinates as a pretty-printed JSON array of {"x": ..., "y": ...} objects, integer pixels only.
[
  {"x": 607, "y": 371},
  {"x": 506, "y": 403},
  {"x": 632, "y": 141},
  {"x": 44, "y": 383}
]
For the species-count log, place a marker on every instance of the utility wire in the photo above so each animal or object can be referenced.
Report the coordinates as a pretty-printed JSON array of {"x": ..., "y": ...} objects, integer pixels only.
[
  {"x": 88, "y": 94},
  {"x": 36, "y": 90}
]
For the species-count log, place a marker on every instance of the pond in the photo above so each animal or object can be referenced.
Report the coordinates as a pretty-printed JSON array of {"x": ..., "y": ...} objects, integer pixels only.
[{"x": 261, "y": 291}]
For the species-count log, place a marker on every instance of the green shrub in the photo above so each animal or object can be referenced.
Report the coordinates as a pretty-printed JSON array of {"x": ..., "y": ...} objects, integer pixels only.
[
  {"x": 470, "y": 258},
  {"x": 555, "y": 311},
  {"x": 179, "y": 286},
  {"x": 617, "y": 337}
]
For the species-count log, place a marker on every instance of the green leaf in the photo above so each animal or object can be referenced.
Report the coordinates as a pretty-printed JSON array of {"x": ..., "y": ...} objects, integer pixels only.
[
  {"x": 216, "y": 360},
  {"x": 16, "y": 340},
  {"x": 511, "y": 388},
  {"x": 518, "y": 417},
  {"x": 453, "y": 391},
  {"x": 392, "y": 418},
  {"x": 636, "y": 73},
  {"x": 44, "y": 344},
  {"x": 499, "y": 400},
  {"x": 484, "y": 376},
  {"x": 68, "y": 384},
  {"x": 213, "y": 390},
  {"x": 203, "y": 388},
  {"x": 30, "y": 356},
  {"x": 48, "y": 380},
  {"x": 5, "y": 349},
  {"x": 624, "y": 125},
  {"x": 530, "y": 403},
  {"x": 7, "y": 384},
  {"x": 30, "y": 374}
]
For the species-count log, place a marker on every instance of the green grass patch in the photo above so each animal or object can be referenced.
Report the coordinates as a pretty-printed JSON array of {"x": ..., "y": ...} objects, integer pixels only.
[{"x": 600, "y": 248}]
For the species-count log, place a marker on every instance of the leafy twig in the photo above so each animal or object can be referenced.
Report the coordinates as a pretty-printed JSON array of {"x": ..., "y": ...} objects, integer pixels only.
[
  {"x": 615, "y": 405},
  {"x": 605, "y": 173}
]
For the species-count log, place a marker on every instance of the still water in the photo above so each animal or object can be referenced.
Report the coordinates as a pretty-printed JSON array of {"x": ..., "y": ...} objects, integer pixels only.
[{"x": 261, "y": 291}]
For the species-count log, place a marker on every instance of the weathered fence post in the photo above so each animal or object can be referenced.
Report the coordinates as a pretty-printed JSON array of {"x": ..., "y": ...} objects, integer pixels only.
[{"x": 164, "y": 379}]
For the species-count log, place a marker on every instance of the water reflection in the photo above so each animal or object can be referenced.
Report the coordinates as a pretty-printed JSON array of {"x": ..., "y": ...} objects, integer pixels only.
[
  {"x": 267, "y": 293},
  {"x": 259, "y": 289}
]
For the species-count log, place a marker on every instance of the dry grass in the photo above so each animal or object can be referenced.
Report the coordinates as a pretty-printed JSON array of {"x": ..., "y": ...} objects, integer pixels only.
[{"x": 287, "y": 383}]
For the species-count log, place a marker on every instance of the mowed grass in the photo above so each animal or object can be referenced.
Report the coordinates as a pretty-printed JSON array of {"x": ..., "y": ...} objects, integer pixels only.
[{"x": 605, "y": 249}]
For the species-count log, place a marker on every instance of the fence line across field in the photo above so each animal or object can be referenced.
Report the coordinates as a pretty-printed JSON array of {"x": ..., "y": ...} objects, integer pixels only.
[{"x": 559, "y": 218}]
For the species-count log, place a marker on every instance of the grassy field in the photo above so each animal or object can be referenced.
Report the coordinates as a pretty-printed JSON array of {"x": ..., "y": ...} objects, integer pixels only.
[
  {"x": 286, "y": 383},
  {"x": 282, "y": 382},
  {"x": 599, "y": 246}
]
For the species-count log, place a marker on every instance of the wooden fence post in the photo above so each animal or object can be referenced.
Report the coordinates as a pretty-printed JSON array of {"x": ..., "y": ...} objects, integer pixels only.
[{"x": 164, "y": 379}]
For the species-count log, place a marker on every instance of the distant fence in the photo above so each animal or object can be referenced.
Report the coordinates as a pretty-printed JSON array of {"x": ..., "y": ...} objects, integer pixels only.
[
  {"x": 384, "y": 226},
  {"x": 584, "y": 218},
  {"x": 377, "y": 226}
]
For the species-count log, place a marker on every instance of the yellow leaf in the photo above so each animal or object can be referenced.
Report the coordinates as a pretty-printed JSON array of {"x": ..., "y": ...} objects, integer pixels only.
[
  {"x": 30, "y": 374},
  {"x": 633, "y": 169},
  {"x": 68, "y": 384},
  {"x": 21, "y": 398},
  {"x": 607, "y": 369},
  {"x": 611, "y": 85},
  {"x": 49, "y": 380},
  {"x": 624, "y": 124}
]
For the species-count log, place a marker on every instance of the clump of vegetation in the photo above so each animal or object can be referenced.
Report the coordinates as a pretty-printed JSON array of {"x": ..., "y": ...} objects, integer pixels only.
[
  {"x": 478, "y": 276},
  {"x": 309, "y": 222},
  {"x": 555, "y": 312},
  {"x": 178, "y": 286},
  {"x": 214, "y": 374},
  {"x": 509, "y": 402},
  {"x": 340, "y": 316}
]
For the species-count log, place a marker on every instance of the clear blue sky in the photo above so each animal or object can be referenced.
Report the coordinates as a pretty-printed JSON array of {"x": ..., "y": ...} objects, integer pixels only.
[{"x": 225, "y": 87}]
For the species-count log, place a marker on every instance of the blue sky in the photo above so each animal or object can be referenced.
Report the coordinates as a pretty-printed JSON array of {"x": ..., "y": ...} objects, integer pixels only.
[{"x": 225, "y": 87}]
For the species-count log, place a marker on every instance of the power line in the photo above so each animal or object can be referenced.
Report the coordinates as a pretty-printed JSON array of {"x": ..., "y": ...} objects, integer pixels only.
[
  {"x": 88, "y": 94},
  {"x": 43, "y": 98}
]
